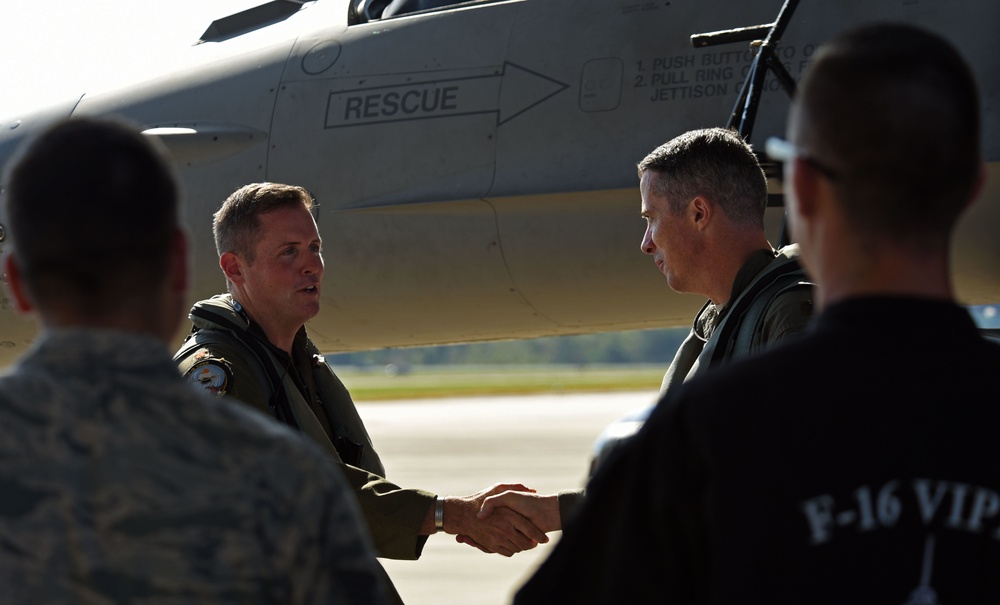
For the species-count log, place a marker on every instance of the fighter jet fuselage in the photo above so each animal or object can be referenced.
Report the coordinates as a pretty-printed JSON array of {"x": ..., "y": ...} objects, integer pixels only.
[{"x": 474, "y": 164}]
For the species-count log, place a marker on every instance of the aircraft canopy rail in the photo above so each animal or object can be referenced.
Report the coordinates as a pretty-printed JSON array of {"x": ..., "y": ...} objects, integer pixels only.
[{"x": 366, "y": 11}]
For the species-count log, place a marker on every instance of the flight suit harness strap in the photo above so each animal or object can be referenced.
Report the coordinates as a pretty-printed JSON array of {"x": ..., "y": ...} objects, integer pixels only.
[{"x": 734, "y": 337}]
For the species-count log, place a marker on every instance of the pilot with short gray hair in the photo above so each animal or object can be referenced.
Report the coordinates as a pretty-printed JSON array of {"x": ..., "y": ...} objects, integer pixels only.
[{"x": 703, "y": 198}]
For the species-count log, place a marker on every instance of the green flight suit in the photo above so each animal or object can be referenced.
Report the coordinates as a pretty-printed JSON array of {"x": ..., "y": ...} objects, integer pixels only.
[
  {"x": 773, "y": 301},
  {"x": 223, "y": 354},
  {"x": 784, "y": 312}
]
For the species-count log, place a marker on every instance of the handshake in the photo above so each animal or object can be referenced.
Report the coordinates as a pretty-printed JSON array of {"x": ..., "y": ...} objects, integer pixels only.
[{"x": 505, "y": 519}]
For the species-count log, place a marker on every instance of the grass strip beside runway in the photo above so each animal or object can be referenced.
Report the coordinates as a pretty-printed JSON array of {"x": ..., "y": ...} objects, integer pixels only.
[{"x": 379, "y": 383}]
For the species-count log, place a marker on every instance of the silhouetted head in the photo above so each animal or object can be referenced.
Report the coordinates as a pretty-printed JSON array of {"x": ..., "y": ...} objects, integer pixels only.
[
  {"x": 890, "y": 113},
  {"x": 93, "y": 210}
]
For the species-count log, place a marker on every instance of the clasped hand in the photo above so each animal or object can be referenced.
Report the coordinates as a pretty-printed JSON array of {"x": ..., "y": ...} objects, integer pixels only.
[{"x": 503, "y": 531}]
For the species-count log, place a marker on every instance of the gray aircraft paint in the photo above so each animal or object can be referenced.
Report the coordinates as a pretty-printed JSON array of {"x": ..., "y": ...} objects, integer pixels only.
[{"x": 475, "y": 165}]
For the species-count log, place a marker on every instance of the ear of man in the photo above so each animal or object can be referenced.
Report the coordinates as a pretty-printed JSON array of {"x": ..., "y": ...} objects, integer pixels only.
[
  {"x": 977, "y": 191},
  {"x": 232, "y": 267},
  {"x": 15, "y": 283},
  {"x": 805, "y": 182},
  {"x": 700, "y": 212}
]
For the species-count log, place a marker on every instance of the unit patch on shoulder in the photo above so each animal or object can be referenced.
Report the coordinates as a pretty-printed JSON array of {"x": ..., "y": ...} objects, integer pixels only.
[{"x": 214, "y": 375}]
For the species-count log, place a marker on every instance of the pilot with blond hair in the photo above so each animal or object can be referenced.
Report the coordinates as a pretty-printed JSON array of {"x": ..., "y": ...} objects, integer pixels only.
[{"x": 251, "y": 345}]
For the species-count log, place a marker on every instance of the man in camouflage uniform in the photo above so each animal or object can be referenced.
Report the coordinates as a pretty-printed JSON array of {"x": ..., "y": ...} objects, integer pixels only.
[{"x": 118, "y": 482}]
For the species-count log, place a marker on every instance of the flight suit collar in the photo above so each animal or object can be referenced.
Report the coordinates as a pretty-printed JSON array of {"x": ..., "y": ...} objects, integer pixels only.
[{"x": 712, "y": 315}]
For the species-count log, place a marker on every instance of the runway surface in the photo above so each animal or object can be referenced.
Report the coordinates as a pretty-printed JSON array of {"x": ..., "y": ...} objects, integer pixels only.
[{"x": 460, "y": 446}]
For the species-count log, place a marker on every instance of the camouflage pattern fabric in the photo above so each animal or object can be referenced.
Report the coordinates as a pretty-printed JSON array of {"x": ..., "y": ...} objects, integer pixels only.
[{"x": 121, "y": 484}]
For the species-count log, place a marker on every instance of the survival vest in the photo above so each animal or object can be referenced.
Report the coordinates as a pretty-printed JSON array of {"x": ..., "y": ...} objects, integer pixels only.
[
  {"x": 740, "y": 329},
  {"x": 217, "y": 324}
]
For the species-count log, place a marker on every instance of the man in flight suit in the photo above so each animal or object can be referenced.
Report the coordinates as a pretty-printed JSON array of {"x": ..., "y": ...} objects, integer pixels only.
[
  {"x": 703, "y": 197},
  {"x": 251, "y": 345}
]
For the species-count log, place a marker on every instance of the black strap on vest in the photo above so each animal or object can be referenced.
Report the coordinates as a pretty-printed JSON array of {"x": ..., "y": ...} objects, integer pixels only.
[
  {"x": 745, "y": 318},
  {"x": 278, "y": 402}
]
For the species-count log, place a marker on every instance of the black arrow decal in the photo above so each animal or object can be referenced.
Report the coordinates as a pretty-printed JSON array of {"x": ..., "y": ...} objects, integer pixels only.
[{"x": 508, "y": 94}]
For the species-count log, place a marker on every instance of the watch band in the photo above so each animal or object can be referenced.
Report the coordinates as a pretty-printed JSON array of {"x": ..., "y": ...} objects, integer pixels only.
[{"x": 439, "y": 513}]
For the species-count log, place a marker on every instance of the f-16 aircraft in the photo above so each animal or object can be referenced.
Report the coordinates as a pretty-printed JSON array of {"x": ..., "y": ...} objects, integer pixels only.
[{"x": 474, "y": 162}]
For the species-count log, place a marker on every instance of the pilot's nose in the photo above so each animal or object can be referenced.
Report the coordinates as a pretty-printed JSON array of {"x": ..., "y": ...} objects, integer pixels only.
[
  {"x": 314, "y": 264},
  {"x": 647, "y": 241}
]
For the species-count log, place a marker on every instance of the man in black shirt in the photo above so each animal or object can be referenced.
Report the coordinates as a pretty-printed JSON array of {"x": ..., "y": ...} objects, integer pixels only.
[{"x": 866, "y": 471}]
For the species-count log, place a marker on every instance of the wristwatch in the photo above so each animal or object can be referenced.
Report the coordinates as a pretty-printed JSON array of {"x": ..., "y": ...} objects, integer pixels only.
[{"x": 439, "y": 513}]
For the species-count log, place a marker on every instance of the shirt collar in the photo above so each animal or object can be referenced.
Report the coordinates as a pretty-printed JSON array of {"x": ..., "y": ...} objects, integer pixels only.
[{"x": 81, "y": 347}]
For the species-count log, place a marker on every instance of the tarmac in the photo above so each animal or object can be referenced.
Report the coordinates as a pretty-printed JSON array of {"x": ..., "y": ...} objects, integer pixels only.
[{"x": 462, "y": 445}]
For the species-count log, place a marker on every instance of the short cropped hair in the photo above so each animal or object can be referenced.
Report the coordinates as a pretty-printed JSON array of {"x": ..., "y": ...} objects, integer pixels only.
[
  {"x": 237, "y": 222},
  {"x": 93, "y": 212},
  {"x": 715, "y": 163},
  {"x": 893, "y": 111}
]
